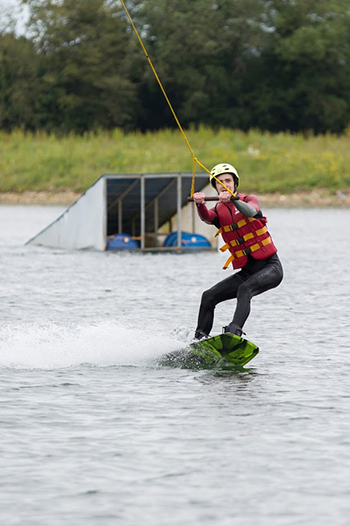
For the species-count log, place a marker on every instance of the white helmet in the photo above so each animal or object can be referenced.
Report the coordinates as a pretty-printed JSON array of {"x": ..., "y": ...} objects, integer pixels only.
[{"x": 223, "y": 168}]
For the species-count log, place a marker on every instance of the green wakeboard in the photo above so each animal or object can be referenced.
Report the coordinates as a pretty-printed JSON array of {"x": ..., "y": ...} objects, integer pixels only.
[{"x": 223, "y": 351}]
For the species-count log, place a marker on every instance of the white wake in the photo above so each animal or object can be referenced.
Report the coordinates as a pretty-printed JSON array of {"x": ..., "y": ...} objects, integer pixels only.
[{"x": 52, "y": 346}]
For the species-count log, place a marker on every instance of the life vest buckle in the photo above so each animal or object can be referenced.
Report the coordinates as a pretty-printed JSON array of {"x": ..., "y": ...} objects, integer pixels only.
[{"x": 231, "y": 228}]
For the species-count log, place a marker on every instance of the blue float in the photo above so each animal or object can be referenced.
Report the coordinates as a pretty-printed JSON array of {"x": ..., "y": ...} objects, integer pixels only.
[
  {"x": 121, "y": 242},
  {"x": 188, "y": 240}
]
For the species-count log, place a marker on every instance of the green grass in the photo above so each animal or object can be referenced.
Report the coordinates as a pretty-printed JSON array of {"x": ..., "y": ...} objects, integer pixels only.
[{"x": 266, "y": 162}]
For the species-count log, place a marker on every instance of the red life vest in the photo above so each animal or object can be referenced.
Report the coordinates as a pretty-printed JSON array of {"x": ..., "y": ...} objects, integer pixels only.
[{"x": 243, "y": 235}]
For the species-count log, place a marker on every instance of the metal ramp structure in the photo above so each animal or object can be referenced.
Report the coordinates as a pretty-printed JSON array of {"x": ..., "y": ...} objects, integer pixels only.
[{"x": 143, "y": 206}]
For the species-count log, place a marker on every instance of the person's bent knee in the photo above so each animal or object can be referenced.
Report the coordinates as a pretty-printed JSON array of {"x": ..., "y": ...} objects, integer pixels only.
[
  {"x": 244, "y": 291},
  {"x": 208, "y": 298}
]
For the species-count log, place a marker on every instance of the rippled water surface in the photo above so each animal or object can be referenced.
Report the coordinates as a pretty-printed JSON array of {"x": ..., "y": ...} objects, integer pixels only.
[{"x": 95, "y": 432}]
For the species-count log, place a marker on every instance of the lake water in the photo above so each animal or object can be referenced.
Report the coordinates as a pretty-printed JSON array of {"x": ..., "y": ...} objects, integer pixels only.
[{"x": 95, "y": 432}]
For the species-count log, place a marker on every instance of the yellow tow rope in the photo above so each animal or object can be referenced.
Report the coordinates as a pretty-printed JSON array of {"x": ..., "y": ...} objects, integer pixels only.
[{"x": 195, "y": 160}]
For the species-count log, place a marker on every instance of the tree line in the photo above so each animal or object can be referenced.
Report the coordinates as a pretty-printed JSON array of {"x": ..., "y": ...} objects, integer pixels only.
[{"x": 275, "y": 65}]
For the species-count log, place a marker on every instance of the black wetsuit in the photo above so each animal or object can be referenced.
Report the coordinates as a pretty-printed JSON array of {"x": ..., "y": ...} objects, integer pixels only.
[{"x": 256, "y": 276}]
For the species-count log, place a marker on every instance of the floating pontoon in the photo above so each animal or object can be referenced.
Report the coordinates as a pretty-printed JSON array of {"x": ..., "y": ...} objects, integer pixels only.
[{"x": 142, "y": 207}]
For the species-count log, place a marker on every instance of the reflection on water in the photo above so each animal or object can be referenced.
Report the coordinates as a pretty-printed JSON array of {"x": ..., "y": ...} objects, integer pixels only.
[{"x": 231, "y": 380}]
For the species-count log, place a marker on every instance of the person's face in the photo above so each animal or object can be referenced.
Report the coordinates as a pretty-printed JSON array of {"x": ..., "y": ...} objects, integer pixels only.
[{"x": 228, "y": 181}]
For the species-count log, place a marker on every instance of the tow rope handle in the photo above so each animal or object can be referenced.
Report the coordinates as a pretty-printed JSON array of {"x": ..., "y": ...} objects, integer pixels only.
[{"x": 213, "y": 198}]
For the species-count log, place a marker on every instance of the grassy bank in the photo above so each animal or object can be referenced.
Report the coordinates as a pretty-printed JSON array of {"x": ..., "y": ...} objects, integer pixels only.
[{"x": 266, "y": 162}]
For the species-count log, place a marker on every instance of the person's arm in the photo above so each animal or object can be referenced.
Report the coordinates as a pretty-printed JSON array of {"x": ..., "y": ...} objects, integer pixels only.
[
  {"x": 206, "y": 215},
  {"x": 249, "y": 207}
]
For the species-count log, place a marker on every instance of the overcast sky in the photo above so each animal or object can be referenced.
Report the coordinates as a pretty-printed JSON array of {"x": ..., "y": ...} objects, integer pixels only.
[{"x": 18, "y": 11}]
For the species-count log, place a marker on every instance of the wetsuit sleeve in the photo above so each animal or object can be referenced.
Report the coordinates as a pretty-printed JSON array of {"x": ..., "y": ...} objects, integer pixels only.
[
  {"x": 207, "y": 215},
  {"x": 249, "y": 206}
]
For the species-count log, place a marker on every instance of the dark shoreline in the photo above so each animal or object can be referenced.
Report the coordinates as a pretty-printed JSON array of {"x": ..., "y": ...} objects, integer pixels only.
[{"x": 315, "y": 198}]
